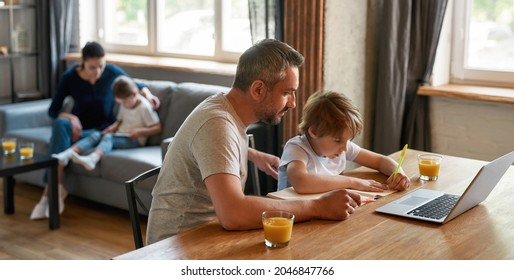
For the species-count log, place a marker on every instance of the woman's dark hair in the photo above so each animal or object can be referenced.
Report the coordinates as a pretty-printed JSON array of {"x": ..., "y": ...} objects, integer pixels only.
[{"x": 92, "y": 50}]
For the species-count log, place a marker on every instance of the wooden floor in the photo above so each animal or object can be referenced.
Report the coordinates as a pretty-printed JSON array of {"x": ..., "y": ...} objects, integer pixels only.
[{"x": 89, "y": 231}]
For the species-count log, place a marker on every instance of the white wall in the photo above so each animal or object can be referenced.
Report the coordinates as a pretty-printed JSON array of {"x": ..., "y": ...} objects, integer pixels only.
[
  {"x": 473, "y": 129},
  {"x": 348, "y": 59}
]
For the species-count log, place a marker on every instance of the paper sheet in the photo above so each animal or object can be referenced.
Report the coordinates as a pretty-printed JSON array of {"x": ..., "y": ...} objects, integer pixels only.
[{"x": 291, "y": 194}]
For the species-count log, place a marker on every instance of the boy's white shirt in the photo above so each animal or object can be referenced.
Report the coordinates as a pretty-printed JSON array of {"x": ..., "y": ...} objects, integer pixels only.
[
  {"x": 299, "y": 148},
  {"x": 142, "y": 115}
]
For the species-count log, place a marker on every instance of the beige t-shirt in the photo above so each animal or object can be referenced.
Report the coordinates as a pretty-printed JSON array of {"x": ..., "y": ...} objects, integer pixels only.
[{"x": 211, "y": 140}]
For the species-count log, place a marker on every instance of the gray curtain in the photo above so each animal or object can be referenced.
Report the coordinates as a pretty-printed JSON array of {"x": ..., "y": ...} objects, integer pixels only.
[
  {"x": 266, "y": 19},
  {"x": 56, "y": 20},
  {"x": 409, "y": 35}
]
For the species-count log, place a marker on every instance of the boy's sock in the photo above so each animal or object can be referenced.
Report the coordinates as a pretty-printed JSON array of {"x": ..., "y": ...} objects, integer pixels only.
[
  {"x": 65, "y": 156},
  {"x": 88, "y": 162}
]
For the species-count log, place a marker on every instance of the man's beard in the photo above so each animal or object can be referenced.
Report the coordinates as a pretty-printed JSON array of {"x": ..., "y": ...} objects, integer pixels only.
[{"x": 269, "y": 117}]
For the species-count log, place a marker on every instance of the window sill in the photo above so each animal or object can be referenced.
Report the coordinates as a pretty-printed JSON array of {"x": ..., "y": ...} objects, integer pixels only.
[
  {"x": 165, "y": 63},
  {"x": 469, "y": 92}
]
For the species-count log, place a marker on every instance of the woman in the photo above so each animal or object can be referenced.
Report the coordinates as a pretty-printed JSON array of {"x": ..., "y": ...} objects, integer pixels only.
[{"x": 90, "y": 86}]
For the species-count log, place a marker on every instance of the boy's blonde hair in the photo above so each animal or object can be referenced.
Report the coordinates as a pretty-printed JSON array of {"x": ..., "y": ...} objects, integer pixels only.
[
  {"x": 330, "y": 113},
  {"x": 124, "y": 87}
]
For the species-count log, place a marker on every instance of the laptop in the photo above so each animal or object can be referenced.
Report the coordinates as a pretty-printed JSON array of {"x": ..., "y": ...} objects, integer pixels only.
[{"x": 441, "y": 207}]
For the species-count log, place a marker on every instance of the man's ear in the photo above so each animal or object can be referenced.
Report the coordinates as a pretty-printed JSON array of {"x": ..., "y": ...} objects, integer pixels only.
[{"x": 258, "y": 90}]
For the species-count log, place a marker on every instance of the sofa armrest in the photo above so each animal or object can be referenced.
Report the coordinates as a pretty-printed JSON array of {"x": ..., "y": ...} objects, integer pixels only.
[{"x": 24, "y": 115}]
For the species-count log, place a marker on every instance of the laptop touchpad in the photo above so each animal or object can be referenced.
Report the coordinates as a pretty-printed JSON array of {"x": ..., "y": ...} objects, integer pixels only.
[{"x": 413, "y": 200}]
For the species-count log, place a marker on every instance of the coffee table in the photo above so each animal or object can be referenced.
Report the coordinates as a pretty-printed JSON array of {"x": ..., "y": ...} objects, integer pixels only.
[{"x": 11, "y": 165}]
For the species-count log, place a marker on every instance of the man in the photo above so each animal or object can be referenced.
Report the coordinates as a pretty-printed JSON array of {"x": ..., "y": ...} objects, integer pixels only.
[{"x": 204, "y": 171}]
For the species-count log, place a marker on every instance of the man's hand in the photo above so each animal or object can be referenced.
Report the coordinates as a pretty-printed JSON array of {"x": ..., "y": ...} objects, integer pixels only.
[
  {"x": 264, "y": 162},
  {"x": 338, "y": 205}
]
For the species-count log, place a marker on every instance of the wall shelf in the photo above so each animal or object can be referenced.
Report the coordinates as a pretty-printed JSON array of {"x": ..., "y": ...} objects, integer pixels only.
[{"x": 20, "y": 64}]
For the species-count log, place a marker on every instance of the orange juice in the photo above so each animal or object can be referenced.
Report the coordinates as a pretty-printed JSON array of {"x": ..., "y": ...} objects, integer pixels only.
[
  {"x": 277, "y": 229},
  {"x": 26, "y": 152},
  {"x": 429, "y": 166},
  {"x": 9, "y": 146}
]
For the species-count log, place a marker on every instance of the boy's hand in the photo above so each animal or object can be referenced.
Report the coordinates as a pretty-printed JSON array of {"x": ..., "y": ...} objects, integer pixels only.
[
  {"x": 367, "y": 185},
  {"x": 400, "y": 183}
]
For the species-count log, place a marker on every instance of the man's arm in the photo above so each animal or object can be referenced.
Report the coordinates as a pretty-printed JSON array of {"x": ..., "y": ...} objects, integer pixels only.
[
  {"x": 265, "y": 162},
  {"x": 237, "y": 211}
]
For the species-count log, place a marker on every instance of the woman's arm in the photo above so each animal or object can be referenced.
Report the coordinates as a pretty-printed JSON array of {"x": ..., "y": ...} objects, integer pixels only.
[{"x": 154, "y": 100}]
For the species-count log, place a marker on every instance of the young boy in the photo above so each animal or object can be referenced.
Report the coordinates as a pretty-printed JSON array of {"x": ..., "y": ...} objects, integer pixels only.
[
  {"x": 313, "y": 161},
  {"x": 136, "y": 121}
]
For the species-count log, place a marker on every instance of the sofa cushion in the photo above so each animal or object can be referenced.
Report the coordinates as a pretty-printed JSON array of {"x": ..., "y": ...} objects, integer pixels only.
[
  {"x": 122, "y": 165},
  {"x": 186, "y": 97},
  {"x": 19, "y": 115}
]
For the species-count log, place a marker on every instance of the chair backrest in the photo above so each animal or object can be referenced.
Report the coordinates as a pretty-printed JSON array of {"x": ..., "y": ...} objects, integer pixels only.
[
  {"x": 252, "y": 169},
  {"x": 133, "y": 200}
]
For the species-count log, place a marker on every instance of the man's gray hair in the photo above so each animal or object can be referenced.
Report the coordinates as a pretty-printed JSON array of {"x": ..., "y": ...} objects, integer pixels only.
[{"x": 268, "y": 61}]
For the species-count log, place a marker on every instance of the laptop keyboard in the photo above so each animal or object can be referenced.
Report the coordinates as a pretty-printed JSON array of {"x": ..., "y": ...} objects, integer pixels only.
[{"x": 437, "y": 208}]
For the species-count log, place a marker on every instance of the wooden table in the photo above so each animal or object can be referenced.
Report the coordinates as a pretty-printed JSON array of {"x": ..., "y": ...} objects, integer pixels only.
[{"x": 483, "y": 232}]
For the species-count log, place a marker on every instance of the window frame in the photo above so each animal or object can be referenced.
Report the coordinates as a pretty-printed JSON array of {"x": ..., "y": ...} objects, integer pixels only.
[
  {"x": 152, "y": 25},
  {"x": 459, "y": 74}
]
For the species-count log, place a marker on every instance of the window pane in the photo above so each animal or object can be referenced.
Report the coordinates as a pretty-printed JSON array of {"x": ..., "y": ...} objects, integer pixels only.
[
  {"x": 236, "y": 27},
  {"x": 187, "y": 27},
  {"x": 491, "y": 36},
  {"x": 126, "y": 22}
]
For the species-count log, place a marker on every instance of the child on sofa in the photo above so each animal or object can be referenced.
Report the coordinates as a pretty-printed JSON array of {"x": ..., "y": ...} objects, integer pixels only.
[{"x": 136, "y": 120}]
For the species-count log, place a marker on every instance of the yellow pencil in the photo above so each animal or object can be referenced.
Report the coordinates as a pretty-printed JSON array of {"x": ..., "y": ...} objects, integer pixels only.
[{"x": 402, "y": 156}]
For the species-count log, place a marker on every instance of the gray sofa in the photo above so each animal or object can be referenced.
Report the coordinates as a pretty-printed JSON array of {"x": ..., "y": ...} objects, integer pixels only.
[{"x": 29, "y": 121}]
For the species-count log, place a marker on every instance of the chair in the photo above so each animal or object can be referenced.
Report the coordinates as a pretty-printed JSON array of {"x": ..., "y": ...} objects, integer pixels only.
[
  {"x": 132, "y": 197},
  {"x": 252, "y": 169}
]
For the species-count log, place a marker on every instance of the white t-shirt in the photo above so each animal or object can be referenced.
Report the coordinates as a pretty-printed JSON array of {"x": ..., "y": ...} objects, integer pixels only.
[
  {"x": 299, "y": 148},
  {"x": 141, "y": 116},
  {"x": 212, "y": 140}
]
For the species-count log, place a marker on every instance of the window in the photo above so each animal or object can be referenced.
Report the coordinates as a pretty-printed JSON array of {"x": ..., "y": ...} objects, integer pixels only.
[
  {"x": 483, "y": 42},
  {"x": 200, "y": 29}
]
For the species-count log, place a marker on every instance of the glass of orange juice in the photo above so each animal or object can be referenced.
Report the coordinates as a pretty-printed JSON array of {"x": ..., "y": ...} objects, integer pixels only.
[
  {"x": 26, "y": 150},
  {"x": 429, "y": 166},
  {"x": 9, "y": 145},
  {"x": 278, "y": 226}
]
